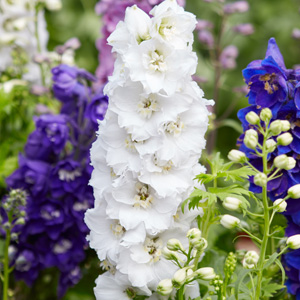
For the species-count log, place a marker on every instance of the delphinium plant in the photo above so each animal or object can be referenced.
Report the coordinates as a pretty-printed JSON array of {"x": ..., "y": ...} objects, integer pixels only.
[
  {"x": 146, "y": 154},
  {"x": 54, "y": 172}
]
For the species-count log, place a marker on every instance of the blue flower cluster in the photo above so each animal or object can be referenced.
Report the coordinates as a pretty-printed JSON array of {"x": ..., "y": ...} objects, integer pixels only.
[
  {"x": 274, "y": 86},
  {"x": 55, "y": 172}
]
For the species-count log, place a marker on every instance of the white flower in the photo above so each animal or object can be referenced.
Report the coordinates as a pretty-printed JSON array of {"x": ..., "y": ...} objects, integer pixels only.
[
  {"x": 173, "y": 25},
  {"x": 116, "y": 286},
  {"x": 53, "y": 4},
  {"x": 159, "y": 67}
]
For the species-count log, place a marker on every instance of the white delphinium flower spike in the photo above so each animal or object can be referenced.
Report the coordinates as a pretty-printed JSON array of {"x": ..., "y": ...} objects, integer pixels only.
[{"x": 146, "y": 155}]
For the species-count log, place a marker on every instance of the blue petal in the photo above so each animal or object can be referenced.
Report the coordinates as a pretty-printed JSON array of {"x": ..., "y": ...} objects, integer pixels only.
[{"x": 274, "y": 51}]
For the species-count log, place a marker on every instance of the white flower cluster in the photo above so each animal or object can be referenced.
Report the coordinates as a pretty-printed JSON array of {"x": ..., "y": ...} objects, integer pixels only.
[
  {"x": 17, "y": 29},
  {"x": 147, "y": 151}
]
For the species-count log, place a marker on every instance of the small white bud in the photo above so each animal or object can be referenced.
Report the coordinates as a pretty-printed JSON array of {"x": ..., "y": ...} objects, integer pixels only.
[
  {"x": 252, "y": 118},
  {"x": 260, "y": 179},
  {"x": 280, "y": 205},
  {"x": 193, "y": 233},
  {"x": 250, "y": 260},
  {"x": 53, "y": 4},
  {"x": 165, "y": 287},
  {"x": 199, "y": 244},
  {"x": 294, "y": 191},
  {"x": 174, "y": 245},
  {"x": 270, "y": 145},
  {"x": 7, "y": 38},
  {"x": 276, "y": 127},
  {"x": 179, "y": 278},
  {"x": 285, "y": 139},
  {"x": 206, "y": 273},
  {"x": 286, "y": 125},
  {"x": 237, "y": 156},
  {"x": 229, "y": 221},
  {"x": 251, "y": 138},
  {"x": 293, "y": 241},
  {"x": 281, "y": 161},
  {"x": 170, "y": 255},
  {"x": 291, "y": 163},
  {"x": 266, "y": 114},
  {"x": 232, "y": 203}
]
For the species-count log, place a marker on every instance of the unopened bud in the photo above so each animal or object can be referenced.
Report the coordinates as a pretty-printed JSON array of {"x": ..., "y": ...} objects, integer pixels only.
[
  {"x": 266, "y": 115},
  {"x": 237, "y": 156},
  {"x": 251, "y": 139},
  {"x": 270, "y": 145},
  {"x": 285, "y": 139},
  {"x": 174, "y": 245},
  {"x": 193, "y": 233},
  {"x": 165, "y": 287},
  {"x": 199, "y": 244},
  {"x": 232, "y": 203},
  {"x": 291, "y": 163},
  {"x": 179, "y": 278},
  {"x": 293, "y": 241},
  {"x": 260, "y": 179},
  {"x": 170, "y": 255},
  {"x": 280, "y": 205},
  {"x": 229, "y": 221},
  {"x": 286, "y": 125},
  {"x": 207, "y": 273},
  {"x": 276, "y": 127},
  {"x": 252, "y": 118},
  {"x": 244, "y": 29},
  {"x": 281, "y": 161},
  {"x": 250, "y": 260},
  {"x": 294, "y": 191},
  {"x": 236, "y": 7},
  {"x": 20, "y": 221}
]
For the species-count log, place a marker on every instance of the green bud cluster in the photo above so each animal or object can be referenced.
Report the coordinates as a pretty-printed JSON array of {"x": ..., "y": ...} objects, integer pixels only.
[
  {"x": 217, "y": 283},
  {"x": 230, "y": 264}
]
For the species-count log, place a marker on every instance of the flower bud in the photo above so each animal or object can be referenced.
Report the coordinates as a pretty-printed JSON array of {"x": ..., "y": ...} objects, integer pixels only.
[
  {"x": 237, "y": 156},
  {"x": 260, "y": 179},
  {"x": 266, "y": 115},
  {"x": 193, "y": 233},
  {"x": 232, "y": 203},
  {"x": 294, "y": 191},
  {"x": 236, "y": 7},
  {"x": 291, "y": 163},
  {"x": 270, "y": 145},
  {"x": 206, "y": 273},
  {"x": 293, "y": 241},
  {"x": 53, "y": 4},
  {"x": 174, "y": 245},
  {"x": 251, "y": 139},
  {"x": 179, "y": 278},
  {"x": 169, "y": 255},
  {"x": 165, "y": 287},
  {"x": 200, "y": 244},
  {"x": 286, "y": 125},
  {"x": 276, "y": 127},
  {"x": 281, "y": 161},
  {"x": 285, "y": 139},
  {"x": 250, "y": 260},
  {"x": 206, "y": 38},
  {"x": 20, "y": 221},
  {"x": 229, "y": 221},
  {"x": 252, "y": 118},
  {"x": 280, "y": 205}
]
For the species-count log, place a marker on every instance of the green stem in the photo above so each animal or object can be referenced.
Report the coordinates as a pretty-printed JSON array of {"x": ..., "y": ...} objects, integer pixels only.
[
  {"x": 180, "y": 293},
  {"x": 266, "y": 225},
  {"x": 6, "y": 270},
  {"x": 38, "y": 42}
]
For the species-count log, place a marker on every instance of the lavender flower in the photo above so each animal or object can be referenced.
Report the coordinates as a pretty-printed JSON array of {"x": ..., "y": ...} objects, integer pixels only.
[
  {"x": 244, "y": 29},
  {"x": 236, "y": 7}
]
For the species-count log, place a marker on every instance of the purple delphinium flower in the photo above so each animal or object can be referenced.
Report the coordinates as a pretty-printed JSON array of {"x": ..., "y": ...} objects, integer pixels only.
[
  {"x": 274, "y": 86},
  {"x": 55, "y": 172},
  {"x": 268, "y": 79}
]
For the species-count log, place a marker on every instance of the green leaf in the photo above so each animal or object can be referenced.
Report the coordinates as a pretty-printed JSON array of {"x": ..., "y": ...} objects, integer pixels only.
[
  {"x": 270, "y": 260},
  {"x": 241, "y": 277},
  {"x": 233, "y": 124},
  {"x": 271, "y": 288}
]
